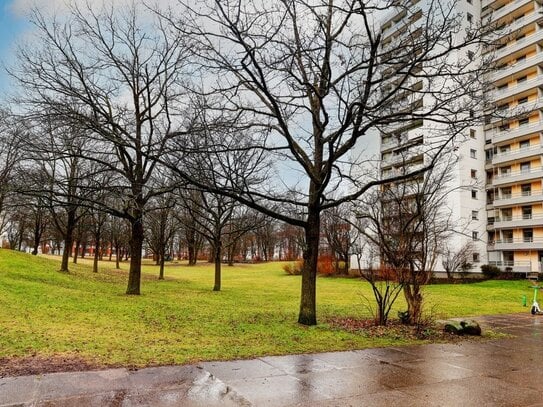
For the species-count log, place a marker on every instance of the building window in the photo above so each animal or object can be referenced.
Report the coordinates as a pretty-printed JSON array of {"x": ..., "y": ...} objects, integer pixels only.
[
  {"x": 471, "y": 55},
  {"x": 523, "y": 100},
  {"x": 526, "y": 189},
  {"x": 524, "y": 144},
  {"x": 472, "y": 133},
  {"x": 474, "y": 174},
  {"x": 526, "y": 212},
  {"x": 469, "y": 17},
  {"x": 473, "y": 153},
  {"x": 523, "y": 122},
  {"x": 522, "y": 79},
  {"x": 470, "y": 1},
  {"x": 525, "y": 167},
  {"x": 474, "y": 215},
  {"x": 476, "y": 258},
  {"x": 521, "y": 59},
  {"x": 475, "y": 236},
  {"x": 505, "y": 193},
  {"x": 471, "y": 114},
  {"x": 473, "y": 194},
  {"x": 528, "y": 235}
]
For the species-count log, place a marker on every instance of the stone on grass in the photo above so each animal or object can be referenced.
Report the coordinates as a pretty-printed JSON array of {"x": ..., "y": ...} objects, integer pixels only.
[
  {"x": 465, "y": 327},
  {"x": 454, "y": 327},
  {"x": 471, "y": 327}
]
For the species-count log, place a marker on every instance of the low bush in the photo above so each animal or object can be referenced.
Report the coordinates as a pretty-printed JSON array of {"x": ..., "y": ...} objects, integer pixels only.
[
  {"x": 294, "y": 268},
  {"x": 325, "y": 265},
  {"x": 490, "y": 271}
]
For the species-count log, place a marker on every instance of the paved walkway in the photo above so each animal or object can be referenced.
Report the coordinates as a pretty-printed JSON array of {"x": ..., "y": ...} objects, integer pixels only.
[{"x": 505, "y": 372}]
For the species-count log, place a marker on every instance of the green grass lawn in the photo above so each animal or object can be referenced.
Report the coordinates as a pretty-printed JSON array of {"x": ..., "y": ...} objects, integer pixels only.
[{"x": 181, "y": 320}]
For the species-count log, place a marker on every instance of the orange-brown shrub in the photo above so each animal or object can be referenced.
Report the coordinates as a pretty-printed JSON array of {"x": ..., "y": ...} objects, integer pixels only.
[{"x": 294, "y": 268}]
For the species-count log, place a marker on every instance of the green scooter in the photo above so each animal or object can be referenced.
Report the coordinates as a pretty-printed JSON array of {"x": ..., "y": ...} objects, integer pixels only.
[{"x": 535, "y": 310}]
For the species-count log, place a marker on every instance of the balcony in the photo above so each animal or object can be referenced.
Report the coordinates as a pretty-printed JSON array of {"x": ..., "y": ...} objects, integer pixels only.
[
  {"x": 517, "y": 176},
  {"x": 517, "y": 199},
  {"x": 517, "y": 244},
  {"x": 513, "y": 266},
  {"x": 517, "y": 154},
  {"x": 501, "y": 94},
  {"x": 524, "y": 221},
  {"x": 516, "y": 68},
  {"x": 518, "y": 45},
  {"x": 407, "y": 19},
  {"x": 504, "y": 135},
  {"x": 519, "y": 110},
  {"x": 507, "y": 9}
]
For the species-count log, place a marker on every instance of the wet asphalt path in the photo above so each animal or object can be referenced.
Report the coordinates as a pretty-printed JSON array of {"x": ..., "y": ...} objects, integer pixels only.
[{"x": 503, "y": 372}]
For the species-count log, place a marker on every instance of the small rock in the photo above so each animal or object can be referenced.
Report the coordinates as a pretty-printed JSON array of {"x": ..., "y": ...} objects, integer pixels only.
[
  {"x": 471, "y": 327},
  {"x": 454, "y": 327}
]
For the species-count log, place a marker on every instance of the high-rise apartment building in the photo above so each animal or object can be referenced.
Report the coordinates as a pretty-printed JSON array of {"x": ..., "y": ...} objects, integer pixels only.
[
  {"x": 497, "y": 180},
  {"x": 513, "y": 139},
  {"x": 404, "y": 145}
]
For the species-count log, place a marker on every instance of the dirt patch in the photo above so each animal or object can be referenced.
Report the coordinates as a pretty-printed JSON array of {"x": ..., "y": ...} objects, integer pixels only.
[
  {"x": 30, "y": 365},
  {"x": 394, "y": 329}
]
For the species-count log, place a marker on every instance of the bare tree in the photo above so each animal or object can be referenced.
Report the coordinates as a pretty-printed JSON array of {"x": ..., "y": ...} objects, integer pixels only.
[
  {"x": 313, "y": 80},
  {"x": 162, "y": 227},
  {"x": 10, "y": 155},
  {"x": 116, "y": 75},
  {"x": 186, "y": 214},
  {"x": 337, "y": 231},
  {"x": 409, "y": 222},
  {"x": 458, "y": 260}
]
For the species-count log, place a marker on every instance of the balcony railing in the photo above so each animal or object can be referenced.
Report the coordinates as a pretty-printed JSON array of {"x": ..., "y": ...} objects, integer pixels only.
[
  {"x": 516, "y": 67},
  {"x": 505, "y": 10},
  {"x": 510, "y": 91},
  {"x": 516, "y": 173}
]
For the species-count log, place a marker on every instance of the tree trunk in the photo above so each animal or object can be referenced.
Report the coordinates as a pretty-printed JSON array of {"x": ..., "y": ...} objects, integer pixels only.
[
  {"x": 84, "y": 249},
  {"x": 68, "y": 240},
  {"x": 117, "y": 257},
  {"x": 217, "y": 259},
  {"x": 308, "y": 309},
  {"x": 96, "y": 257},
  {"x": 96, "y": 253},
  {"x": 136, "y": 245},
  {"x": 161, "y": 263},
  {"x": 76, "y": 252},
  {"x": 413, "y": 297},
  {"x": 37, "y": 239}
]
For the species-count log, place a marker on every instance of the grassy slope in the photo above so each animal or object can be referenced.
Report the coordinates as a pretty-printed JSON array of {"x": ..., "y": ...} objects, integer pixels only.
[{"x": 181, "y": 320}]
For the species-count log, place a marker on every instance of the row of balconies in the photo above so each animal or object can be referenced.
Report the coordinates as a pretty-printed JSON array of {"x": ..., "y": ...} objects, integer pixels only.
[
  {"x": 522, "y": 109},
  {"x": 518, "y": 45},
  {"x": 517, "y": 176},
  {"x": 515, "y": 68},
  {"x": 501, "y": 94},
  {"x": 505, "y": 10},
  {"x": 516, "y": 266},
  {"x": 527, "y": 197},
  {"x": 498, "y": 135},
  {"x": 524, "y": 243},
  {"x": 516, "y": 154},
  {"x": 510, "y": 222}
]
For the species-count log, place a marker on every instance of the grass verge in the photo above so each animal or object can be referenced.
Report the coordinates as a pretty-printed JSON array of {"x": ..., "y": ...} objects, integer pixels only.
[{"x": 181, "y": 320}]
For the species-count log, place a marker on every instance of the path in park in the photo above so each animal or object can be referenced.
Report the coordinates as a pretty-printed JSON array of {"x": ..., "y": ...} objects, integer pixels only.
[{"x": 504, "y": 372}]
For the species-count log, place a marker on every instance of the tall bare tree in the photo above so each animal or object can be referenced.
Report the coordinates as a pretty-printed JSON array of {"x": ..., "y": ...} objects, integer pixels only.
[
  {"x": 408, "y": 223},
  {"x": 10, "y": 155},
  {"x": 115, "y": 74},
  {"x": 313, "y": 80}
]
